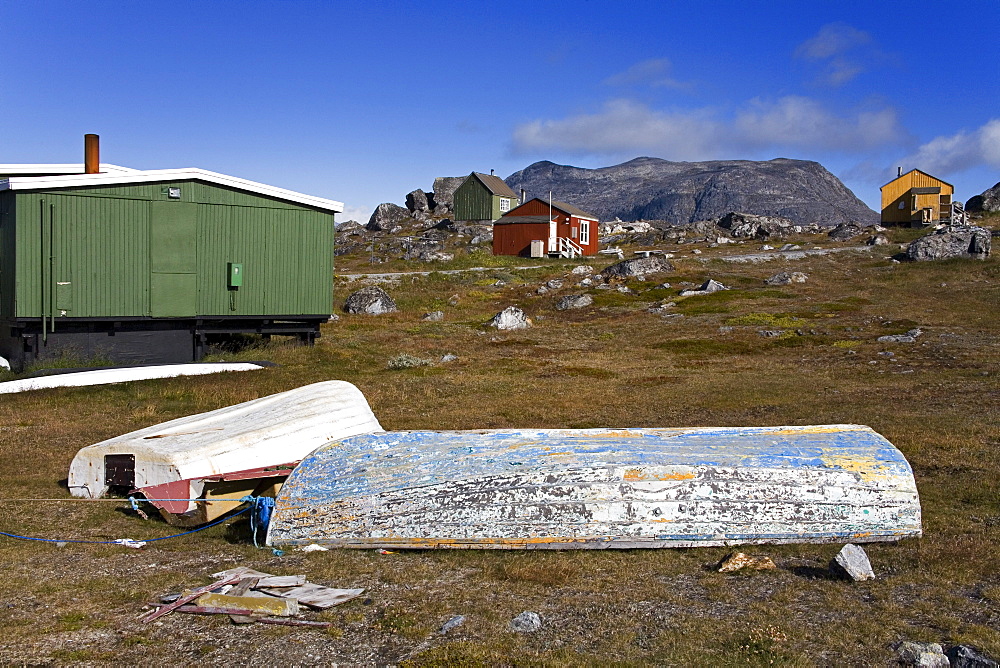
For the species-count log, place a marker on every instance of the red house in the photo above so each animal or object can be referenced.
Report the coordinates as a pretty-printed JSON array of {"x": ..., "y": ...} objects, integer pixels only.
[{"x": 539, "y": 227}]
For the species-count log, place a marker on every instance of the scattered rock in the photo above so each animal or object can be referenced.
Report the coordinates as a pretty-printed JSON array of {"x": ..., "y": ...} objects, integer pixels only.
[
  {"x": 453, "y": 300},
  {"x": 574, "y": 301},
  {"x": 510, "y": 318},
  {"x": 452, "y": 623},
  {"x": 878, "y": 240},
  {"x": 405, "y": 361},
  {"x": 435, "y": 256},
  {"x": 434, "y": 316},
  {"x": 910, "y": 337},
  {"x": 639, "y": 266},
  {"x": 738, "y": 561},
  {"x": 526, "y": 622},
  {"x": 707, "y": 288},
  {"x": 554, "y": 284},
  {"x": 853, "y": 561},
  {"x": 750, "y": 226},
  {"x": 583, "y": 269},
  {"x": 766, "y": 247},
  {"x": 845, "y": 231},
  {"x": 448, "y": 357},
  {"x": 963, "y": 656},
  {"x": 372, "y": 300},
  {"x": 771, "y": 333},
  {"x": 662, "y": 306},
  {"x": 924, "y": 654},
  {"x": 791, "y": 247},
  {"x": 786, "y": 278},
  {"x": 952, "y": 241},
  {"x": 386, "y": 217}
]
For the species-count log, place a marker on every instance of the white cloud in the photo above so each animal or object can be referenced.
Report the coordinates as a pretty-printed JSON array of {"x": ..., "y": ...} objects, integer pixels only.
[
  {"x": 841, "y": 49},
  {"x": 624, "y": 126},
  {"x": 958, "y": 152},
  {"x": 801, "y": 122},
  {"x": 358, "y": 213},
  {"x": 629, "y": 127},
  {"x": 654, "y": 73},
  {"x": 833, "y": 39}
]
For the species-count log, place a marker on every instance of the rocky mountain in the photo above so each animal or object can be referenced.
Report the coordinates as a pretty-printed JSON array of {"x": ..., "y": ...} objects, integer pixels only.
[
  {"x": 988, "y": 201},
  {"x": 684, "y": 192}
]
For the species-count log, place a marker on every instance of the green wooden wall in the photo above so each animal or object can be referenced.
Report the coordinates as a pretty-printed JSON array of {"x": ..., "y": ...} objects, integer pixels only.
[
  {"x": 474, "y": 201},
  {"x": 131, "y": 251}
]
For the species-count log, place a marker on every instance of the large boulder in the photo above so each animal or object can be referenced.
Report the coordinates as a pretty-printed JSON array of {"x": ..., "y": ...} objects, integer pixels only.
[
  {"x": 988, "y": 201},
  {"x": 387, "y": 217},
  {"x": 639, "y": 266},
  {"x": 952, "y": 241},
  {"x": 444, "y": 191},
  {"x": 417, "y": 201},
  {"x": 750, "y": 226},
  {"x": 510, "y": 318},
  {"x": 371, "y": 300}
]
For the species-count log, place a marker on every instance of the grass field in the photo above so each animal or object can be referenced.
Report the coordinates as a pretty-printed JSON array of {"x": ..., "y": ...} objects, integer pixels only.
[{"x": 611, "y": 364}]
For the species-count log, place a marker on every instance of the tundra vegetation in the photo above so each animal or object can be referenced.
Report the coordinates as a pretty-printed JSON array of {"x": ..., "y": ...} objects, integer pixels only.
[{"x": 616, "y": 362}]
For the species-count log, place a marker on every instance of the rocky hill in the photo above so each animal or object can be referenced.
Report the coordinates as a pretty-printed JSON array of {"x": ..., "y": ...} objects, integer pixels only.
[
  {"x": 988, "y": 201},
  {"x": 684, "y": 192}
]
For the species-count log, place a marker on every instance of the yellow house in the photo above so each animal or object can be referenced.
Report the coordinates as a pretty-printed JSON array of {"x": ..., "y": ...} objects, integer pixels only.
[{"x": 917, "y": 198}]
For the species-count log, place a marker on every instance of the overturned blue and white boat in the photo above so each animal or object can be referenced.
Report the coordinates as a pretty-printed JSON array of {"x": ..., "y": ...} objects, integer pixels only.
[{"x": 599, "y": 488}]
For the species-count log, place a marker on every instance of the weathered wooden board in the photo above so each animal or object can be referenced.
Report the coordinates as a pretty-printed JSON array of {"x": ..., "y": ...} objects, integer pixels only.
[
  {"x": 599, "y": 488},
  {"x": 314, "y": 595}
]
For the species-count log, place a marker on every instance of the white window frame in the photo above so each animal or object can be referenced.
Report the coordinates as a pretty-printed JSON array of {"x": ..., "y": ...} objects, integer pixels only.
[
  {"x": 584, "y": 232},
  {"x": 504, "y": 204}
]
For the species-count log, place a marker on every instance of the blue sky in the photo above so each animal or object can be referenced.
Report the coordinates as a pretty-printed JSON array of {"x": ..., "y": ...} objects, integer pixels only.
[{"x": 363, "y": 102}]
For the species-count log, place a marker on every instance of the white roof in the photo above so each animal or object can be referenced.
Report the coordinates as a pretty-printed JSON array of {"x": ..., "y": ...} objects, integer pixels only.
[
  {"x": 58, "y": 178},
  {"x": 60, "y": 169}
]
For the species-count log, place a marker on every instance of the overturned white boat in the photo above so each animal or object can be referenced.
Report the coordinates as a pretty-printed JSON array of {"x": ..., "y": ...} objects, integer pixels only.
[
  {"x": 597, "y": 488},
  {"x": 122, "y": 375},
  {"x": 196, "y": 468}
]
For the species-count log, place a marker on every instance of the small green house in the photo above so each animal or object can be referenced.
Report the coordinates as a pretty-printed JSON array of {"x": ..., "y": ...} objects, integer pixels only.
[
  {"x": 483, "y": 197},
  {"x": 147, "y": 266}
]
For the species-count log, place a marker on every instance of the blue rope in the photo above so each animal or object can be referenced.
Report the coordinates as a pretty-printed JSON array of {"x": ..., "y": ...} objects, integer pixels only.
[
  {"x": 260, "y": 516},
  {"x": 115, "y": 542}
]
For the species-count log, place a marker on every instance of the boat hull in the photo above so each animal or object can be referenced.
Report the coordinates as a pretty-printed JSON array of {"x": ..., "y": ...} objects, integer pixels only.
[
  {"x": 196, "y": 468},
  {"x": 569, "y": 489}
]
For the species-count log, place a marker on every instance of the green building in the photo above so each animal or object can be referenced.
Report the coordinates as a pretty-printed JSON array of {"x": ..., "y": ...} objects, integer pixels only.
[
  {"x": 147, "y": 266},
  {"x": 483, "y": 197}
]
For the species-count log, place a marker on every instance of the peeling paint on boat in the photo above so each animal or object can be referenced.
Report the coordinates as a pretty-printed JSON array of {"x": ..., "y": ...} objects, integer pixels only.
[{"x": 594, "y": 488}]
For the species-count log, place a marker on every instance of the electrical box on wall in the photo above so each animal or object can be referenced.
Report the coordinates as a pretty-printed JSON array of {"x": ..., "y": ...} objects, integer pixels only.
[{"x": 235, "y": 274}]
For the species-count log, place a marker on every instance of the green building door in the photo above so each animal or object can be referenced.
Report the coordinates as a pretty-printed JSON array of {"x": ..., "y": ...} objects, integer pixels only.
[{"x": 173, "y": 260}]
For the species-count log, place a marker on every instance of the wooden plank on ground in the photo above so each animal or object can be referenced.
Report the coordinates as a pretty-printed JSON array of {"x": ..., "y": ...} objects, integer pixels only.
[
  {"x": 258, "y": 605},
  {"x": 189, "y": 596},
  {"x": 314, "y": 595}
]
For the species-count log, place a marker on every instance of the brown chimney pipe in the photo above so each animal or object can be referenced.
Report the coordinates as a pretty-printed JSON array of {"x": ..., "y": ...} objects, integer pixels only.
[{"x": 91, "y": 154}]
